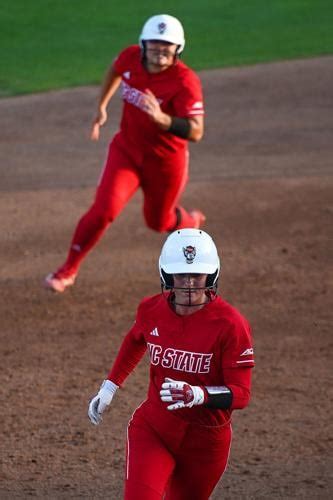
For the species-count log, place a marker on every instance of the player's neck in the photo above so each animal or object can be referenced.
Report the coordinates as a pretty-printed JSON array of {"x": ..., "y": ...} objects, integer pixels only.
[{"x": 187, "y": 310}]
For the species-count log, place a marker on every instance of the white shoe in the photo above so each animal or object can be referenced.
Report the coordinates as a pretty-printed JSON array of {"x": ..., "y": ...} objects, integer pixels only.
[
  {"x": 57, "y": 283},
  {"x": 198, "y": 217}
]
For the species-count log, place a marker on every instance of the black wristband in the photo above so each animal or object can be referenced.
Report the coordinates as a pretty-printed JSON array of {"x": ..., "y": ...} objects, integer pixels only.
[
  {"x": 180, "y": 127},
  {"x": 219, "y": 397}
]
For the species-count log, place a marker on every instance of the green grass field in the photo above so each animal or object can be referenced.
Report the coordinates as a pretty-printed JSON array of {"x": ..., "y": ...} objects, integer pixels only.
[{"x": 49, "y": 44}]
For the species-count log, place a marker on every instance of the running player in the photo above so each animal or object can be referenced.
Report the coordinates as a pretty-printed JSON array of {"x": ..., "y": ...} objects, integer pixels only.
[
  {"x": 201, "y": 357},
  {"x": 163, "y": 110}
]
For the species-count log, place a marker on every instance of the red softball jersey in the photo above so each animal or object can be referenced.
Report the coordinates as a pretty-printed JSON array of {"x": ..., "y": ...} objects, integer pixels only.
[
  {"x": 178, "y": 90},
  {"x": 211, "y": 347}
]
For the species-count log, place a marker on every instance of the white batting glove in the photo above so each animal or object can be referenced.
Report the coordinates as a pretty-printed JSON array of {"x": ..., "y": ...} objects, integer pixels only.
[
  {"x": 181, "y": 394},
  {"x": 101, "y": 401}
]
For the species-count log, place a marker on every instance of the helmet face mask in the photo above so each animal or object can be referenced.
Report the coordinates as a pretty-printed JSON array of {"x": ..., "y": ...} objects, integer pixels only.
[
  {"x": 189, "y": 253},
  {"x": 191, "y": 290},
  {"x": 158, "y": 56},
  {"x": 163, "y": 28}
]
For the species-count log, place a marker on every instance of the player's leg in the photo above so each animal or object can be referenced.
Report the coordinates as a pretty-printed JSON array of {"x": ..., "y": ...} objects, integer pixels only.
[
  {"x": 118, "y": 183},
  {"x": 199, "y": 465},
  {"x": 149, "y": 464},
  {"x": 163, "y": 182}
]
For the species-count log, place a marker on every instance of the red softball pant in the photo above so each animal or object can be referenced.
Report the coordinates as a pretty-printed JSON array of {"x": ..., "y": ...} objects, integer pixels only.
[
  {"x": 162, "y": 180},
  {"x": 185, "y": 462}
]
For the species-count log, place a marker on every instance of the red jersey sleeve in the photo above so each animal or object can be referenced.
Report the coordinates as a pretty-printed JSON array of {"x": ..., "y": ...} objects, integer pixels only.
[
  {"x": 122, "y": 62},
  {"x": 239, "y": 382},
  {"x": 130, "y": 353},
  {"x": 189, "y": 99},
  {"x": 237, "y": 349},
  {"x": 237, "y": 359}
]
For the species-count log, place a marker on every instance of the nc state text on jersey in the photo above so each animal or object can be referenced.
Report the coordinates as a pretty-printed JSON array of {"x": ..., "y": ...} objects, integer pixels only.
[
  {"x": 185, "y": 361},
  {"x": 133, "y": 95}
]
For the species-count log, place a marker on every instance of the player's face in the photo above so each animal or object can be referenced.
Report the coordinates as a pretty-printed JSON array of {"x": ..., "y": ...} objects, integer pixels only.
[
  {"x": 190, "y": 289},
  {"x": 159, "y": 55}
]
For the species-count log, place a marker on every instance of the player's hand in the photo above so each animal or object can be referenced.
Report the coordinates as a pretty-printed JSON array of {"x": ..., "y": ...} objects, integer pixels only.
[
  {"x": 101, "y": 401},
  {"x": 98, "y": 123},
  {"x": 181, "y": 394},
  {"x": 151, "y": 106}
]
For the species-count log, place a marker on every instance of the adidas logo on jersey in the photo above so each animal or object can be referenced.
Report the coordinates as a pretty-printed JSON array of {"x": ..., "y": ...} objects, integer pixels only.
[
  {"x": 154, "y": 332},
  {"x": 247, "y": 352}
]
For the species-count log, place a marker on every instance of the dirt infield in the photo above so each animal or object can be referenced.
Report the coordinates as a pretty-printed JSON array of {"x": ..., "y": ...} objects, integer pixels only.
[{"x": 263, "y": 176}]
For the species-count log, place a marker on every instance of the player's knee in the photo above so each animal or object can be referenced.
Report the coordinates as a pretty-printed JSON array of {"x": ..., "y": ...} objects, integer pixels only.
[{"x": 158, "y": 225}]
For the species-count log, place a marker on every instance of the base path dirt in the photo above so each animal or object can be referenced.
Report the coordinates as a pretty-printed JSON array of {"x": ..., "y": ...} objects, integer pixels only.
[{"x": 263, "y": 176}]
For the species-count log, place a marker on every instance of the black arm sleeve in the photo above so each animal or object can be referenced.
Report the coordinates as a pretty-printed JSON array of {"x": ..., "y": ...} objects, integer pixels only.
[
  {"x": 218, "y": 397},
  {"x": 180, "y": 127}
]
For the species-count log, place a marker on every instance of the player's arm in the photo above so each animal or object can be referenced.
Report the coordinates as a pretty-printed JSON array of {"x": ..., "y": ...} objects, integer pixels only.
[
  {"x": 236, "y": 368},
  {"x": 109, "y": 87},
  {"x": 197, "y": 128},
  {"x": 235, "y": 394},
  {"x": 130, "y": 353},
  {"x": 191, "y": 129}
]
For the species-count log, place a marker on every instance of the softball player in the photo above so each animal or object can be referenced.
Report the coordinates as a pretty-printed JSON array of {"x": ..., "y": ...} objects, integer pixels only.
[
  {"x": 163, "y": 110},
  {"x": 201, "y": 356}
]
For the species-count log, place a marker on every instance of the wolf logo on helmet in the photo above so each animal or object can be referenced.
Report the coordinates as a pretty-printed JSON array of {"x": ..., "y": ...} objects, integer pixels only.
[
  {"x": 161, "y": 28},
  {"x": 190, "y": 253}
]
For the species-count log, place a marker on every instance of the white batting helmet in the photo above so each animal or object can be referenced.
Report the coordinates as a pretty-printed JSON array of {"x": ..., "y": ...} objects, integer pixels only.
[
  {"x": 189, "y": 251},
  {"x": 165, "y": 28}
]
